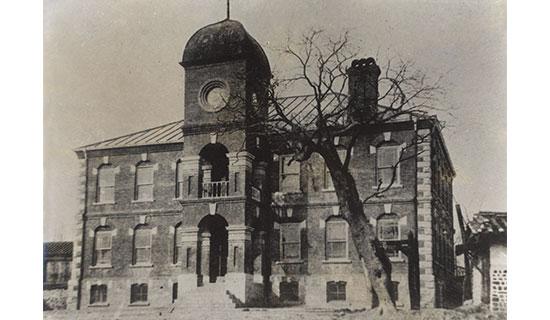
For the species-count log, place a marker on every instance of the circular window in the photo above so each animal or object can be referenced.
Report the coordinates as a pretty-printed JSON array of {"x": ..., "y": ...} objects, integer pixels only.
[{"x": 214, "y": 96}]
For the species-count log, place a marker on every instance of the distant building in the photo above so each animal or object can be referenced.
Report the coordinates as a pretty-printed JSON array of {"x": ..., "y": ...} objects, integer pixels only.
[
  {"x": 58, "y": 257},
  {"x": 181, "y": 214},
  {"x": 487, "y": 246}
]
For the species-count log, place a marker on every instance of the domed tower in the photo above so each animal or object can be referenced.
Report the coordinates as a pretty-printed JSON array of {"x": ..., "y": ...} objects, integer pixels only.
[
  {"x": 224, "y": 65},
  {"x": 224, "y": 196}
]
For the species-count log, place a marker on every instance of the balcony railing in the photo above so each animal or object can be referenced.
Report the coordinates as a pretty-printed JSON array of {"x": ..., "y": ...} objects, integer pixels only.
[{"x": 215, "y": 189}]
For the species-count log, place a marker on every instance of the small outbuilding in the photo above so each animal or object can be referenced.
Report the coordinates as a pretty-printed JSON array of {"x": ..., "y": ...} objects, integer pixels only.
[{"x": 486, "y": 245}]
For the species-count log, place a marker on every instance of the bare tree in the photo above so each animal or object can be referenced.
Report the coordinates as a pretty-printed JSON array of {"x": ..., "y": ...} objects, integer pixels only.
[{"x": 336, "y": 120}]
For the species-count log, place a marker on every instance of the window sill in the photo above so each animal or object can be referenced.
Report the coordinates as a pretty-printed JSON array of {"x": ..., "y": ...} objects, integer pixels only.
[
  {"x": 396, "y": 259},
  {"x": 336, "y": 261},
  {"x": 99, "y": 304},
  {"x": 328, "y": 190},
  {"x": 141, "y": 265},
  {"x": 139, "y": 304},
  {"x": 143, "y": 200},
  {"x": 393, "y": 186},
  {"x": 290, "y": 261},
  {"x": 101, "y": 266},
  {"x": 102, "y": 203}
]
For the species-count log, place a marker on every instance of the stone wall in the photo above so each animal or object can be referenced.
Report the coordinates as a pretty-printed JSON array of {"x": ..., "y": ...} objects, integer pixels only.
[
  {"x": 55, "y": 299},
  {"x": 499, "y": 278}
]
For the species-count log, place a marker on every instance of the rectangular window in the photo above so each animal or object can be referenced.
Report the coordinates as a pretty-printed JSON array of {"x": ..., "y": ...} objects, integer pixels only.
[
  {"x": 388, "y": 231},
  {"x": 103, "y": 247},
  {"x": 188, "y": 253},
  {"x": 386, "y": 158},
  {"x": 189, "y": 185},
  {"x": 174, "y": 292},
  {"x": 144, "y": 182},
  {"x": 237, "y": 182},
  {"x": 336, "y": 291},
  {"x": 336, "y": 239},
  {"x": 52, "y": 272},
  {"x": 178, "y": 245},
  {"x": 138, "y": 293},
  {"x": 98, "y": 294},
  {"x": 179, "y": 179},
  {"x": 289, "y": 178},
  {"x": 105, "y": 185},
  {"x": 290, "y": 241},
  {"x": 142, "y": 246},
  {"x": 289, "y": 291},
  {"x": 395, "y": 290}
]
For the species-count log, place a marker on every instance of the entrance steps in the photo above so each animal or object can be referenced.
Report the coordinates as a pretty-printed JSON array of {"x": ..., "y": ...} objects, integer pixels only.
[{"x": 211, "y": 296}]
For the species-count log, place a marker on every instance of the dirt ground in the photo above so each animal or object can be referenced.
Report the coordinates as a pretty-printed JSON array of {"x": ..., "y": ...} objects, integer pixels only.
[{"x": 468, "y": 313}]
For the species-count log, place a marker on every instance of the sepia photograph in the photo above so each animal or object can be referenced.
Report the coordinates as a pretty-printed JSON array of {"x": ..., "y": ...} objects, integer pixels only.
[{"x": 274, "y": 159}]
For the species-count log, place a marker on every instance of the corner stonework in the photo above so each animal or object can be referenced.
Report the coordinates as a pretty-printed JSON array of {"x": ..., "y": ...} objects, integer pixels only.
[
  {"x": 425, "y": 237},
  {"x": 73, "y": 294}
]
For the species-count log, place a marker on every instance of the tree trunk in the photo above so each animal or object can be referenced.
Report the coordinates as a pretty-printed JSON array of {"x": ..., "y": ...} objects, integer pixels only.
[{"x": 376, "y": 265}]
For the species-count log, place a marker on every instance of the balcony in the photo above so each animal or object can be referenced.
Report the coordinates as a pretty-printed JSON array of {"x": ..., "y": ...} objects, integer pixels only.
[{"x": 215, "y": 189}]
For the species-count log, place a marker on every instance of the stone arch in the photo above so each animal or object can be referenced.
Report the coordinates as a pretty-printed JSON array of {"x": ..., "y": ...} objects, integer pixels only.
[{"x": 214, "y": 247}]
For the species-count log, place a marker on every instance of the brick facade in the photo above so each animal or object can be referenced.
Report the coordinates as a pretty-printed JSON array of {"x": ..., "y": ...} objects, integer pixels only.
[{"x": 231, "y": 233}]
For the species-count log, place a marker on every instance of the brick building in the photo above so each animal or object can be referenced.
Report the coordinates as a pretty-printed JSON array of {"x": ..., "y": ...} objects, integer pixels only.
[
  {"x": 57, "y": 261},
  {"x": 181, "y": 212}
]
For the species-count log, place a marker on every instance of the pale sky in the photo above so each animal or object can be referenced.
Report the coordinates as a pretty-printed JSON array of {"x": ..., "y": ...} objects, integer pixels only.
[{"x": 111, "y": 68}]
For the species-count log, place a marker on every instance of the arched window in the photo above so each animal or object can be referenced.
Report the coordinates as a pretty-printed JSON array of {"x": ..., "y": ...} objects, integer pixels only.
[
  {"x": 214, "y": 171},
  {"x": 387, "y": 159},
  {"x": 102, "y": 247},
  {"x": 336, "y": 238},
  {"x": 387, "y": 229},
  {"x": 178, "y": 245},
  {"x": 144, "y": 181},
  {"x": 142, "y": 245},
  {"x": 179, "y": 179},
  {"x": 105, "y": 187}
]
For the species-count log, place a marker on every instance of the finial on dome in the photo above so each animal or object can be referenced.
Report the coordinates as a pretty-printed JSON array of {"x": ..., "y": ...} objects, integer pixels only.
[{"x": 228, "y": 9}]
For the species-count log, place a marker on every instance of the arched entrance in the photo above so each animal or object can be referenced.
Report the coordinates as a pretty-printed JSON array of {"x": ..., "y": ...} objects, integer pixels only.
[{"x": 214, "y": 262}]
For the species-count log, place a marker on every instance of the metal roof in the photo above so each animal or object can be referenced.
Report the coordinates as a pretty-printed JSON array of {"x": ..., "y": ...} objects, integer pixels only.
[
  {"x": 164, "y": 134},
  {"x": 486, "y": 222},
  {"x": 297, "y": 108}
]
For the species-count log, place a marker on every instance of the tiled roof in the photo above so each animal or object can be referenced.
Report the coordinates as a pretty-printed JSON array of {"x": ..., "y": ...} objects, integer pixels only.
[
  {"x": 488, "y": 223},
  {"x": 58, "y": 249},
  {"x": 164, "y": 134},
  {"x": 296, "y": 108}
]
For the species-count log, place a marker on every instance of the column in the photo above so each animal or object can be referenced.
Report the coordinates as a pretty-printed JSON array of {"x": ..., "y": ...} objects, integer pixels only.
[
  {"x": 191, "y": 169},
  {"x": 187, "y": 280},
  {"x": 239, "y": 278},
  {"x": 205, "y": 258},
  {"x": 240, "y": 164}
]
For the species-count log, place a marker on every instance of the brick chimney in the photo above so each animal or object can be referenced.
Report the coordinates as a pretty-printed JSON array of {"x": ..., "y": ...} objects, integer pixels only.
[{"x": 363, "y": 88}]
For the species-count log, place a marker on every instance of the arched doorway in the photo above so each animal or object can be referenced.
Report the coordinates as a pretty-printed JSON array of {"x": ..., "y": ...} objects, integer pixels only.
[{"x": 215, "y": 265}]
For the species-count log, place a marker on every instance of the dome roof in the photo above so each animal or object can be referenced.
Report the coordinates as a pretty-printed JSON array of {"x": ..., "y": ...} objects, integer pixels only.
[{"x": 226, "y": 40}]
